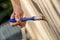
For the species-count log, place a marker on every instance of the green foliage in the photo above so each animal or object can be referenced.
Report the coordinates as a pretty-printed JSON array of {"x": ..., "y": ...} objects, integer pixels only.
[{"x": 5, "y": 9}]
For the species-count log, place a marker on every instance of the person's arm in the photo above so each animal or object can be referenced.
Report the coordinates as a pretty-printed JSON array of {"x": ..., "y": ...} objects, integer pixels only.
[
  {"x": 17, "y": 12},
  {"x": 16, "y": 6}
]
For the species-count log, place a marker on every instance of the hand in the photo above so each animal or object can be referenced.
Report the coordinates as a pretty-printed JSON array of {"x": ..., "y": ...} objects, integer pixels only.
[{"x": 17, "y": 16}]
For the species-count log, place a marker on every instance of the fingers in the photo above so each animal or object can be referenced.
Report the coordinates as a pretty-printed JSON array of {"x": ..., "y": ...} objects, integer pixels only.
[
  {"x": 13, "y": 24},
  {"x": 17, "y": 16},
  {"x": 22, "y": 24},
  {"x": 13, "y": 16}
]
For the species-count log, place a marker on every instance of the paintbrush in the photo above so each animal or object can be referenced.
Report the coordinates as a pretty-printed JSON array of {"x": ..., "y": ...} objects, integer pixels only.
[{"x": 33, "y": 18}]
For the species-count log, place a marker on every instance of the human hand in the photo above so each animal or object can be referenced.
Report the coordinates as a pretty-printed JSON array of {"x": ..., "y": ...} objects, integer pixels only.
[{"x": 17, "y": 16}]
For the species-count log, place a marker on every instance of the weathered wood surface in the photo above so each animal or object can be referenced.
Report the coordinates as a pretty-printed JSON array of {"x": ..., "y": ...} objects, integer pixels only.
[{"x": 42, "y": 30}]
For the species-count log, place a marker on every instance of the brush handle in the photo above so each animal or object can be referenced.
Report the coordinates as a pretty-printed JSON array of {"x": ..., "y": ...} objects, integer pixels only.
[{"x": 22, "y": 19}]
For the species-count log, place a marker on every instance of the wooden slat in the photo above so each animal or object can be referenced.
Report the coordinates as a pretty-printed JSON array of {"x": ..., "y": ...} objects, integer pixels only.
[
  {"x": 50, "y": 12},
  {"x": 42, "y": 30}
]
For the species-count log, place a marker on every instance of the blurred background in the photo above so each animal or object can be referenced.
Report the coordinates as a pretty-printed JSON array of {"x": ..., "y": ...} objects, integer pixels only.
[
  {"x": 7, "y": 32},
  {"x": 5, "y": 10}
]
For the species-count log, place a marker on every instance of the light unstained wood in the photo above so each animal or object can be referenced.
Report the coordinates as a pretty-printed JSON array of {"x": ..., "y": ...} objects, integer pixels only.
[
  {"x": 51, "y": 16},
  {"x": 56, "y": 4},
  {"x": 41, "y": 30}
]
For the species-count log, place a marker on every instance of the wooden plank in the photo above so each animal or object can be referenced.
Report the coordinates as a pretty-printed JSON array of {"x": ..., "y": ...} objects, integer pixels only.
[
  {"x": 50, "y": 12},
  {"x": 42, "y": 30}
]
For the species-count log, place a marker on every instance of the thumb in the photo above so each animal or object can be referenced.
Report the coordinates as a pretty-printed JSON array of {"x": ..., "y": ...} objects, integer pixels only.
[{"x": 17, "y": 17}]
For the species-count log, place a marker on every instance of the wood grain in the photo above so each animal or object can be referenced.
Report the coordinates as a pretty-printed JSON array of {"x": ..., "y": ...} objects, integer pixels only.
[{"x": 41, "y": 29}]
